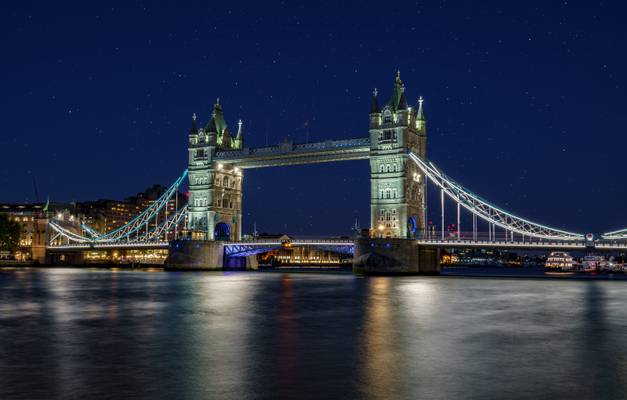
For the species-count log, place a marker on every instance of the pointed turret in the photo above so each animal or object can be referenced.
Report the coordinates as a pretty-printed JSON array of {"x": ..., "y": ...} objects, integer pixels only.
[
  {"x": 211, "y": 125},
  {"x": 421, "y": 121},
  {"x": 374, "y": 107},
  {"x": 194, "y": 129},
  {"x": 402, "y": 101},
  {"x": 421, "y": 114},
  {"x": 216, "y": 123},
  {"x": 238, "y": 142},
  {"x": 239, "y": 129},
  {"x": 397, "y": 93}
]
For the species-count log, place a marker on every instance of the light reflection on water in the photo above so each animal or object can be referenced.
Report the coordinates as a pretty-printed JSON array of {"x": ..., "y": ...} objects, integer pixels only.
[{"x": 70, "y": 333}]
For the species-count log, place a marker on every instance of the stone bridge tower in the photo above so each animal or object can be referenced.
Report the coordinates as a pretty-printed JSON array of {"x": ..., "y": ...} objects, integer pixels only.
[
  {"x": 397, "y": 198},
  {"x": 215, "y": 190}
]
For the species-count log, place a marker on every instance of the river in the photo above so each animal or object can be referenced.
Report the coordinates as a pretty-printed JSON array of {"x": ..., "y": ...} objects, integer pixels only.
[{"x": 89, "y": 333}]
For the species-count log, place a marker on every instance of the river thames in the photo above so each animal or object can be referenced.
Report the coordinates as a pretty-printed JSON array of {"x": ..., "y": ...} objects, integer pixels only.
[{"x": 78, "y": 333}]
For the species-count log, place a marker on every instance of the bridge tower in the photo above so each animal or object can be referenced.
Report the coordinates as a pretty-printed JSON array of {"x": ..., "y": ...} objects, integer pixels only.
[
  {"x": 397, "y": 200},
  {"x": 215, "y": 190}
]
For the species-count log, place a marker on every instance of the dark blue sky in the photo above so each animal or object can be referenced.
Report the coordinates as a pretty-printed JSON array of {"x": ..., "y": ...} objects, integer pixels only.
[{"x": 525, "y": 101}]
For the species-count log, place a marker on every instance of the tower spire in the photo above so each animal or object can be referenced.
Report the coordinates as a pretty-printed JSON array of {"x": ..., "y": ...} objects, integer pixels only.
[
  {"x": 239, "y": 129},
  {"x": 374, "y": 106},
  {"x": 421, "y": 114},
  {"x": 402, "y": 101},
  {"x": 399, "y": 88},
  {"x": 194, "y": 128}
]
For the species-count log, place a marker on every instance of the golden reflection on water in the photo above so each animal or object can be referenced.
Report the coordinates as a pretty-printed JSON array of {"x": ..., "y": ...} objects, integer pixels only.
[{"x": 378, "y": 358}]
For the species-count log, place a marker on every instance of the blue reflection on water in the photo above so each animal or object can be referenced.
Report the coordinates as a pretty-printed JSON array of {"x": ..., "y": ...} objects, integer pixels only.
[{"x": 71, "y": 333}]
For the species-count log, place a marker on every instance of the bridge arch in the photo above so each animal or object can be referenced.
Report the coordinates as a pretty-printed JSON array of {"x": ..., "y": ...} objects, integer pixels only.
[{"x": 222, "y": 231}]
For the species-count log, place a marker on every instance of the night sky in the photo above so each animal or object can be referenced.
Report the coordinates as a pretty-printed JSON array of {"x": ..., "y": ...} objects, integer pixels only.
[{"x": 525, "y": 101}]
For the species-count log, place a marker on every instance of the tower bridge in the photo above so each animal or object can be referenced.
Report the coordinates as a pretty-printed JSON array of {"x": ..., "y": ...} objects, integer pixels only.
[{"x": 208, "y": 230}]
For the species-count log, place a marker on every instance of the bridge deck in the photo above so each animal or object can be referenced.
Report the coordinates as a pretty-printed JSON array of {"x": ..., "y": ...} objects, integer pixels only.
[
  {"x": 108, "y": 246},
  {"x": 447, "y": 243}
]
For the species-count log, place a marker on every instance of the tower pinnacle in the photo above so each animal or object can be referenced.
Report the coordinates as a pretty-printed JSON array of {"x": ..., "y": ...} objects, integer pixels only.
[
  {"x": 374, "y": 106},
  {"x": 421, "y": 114},
  {"x": 194, "y": 128},
  {"x": 239, "y": 129},
  {"x": 397, "y": 94}
]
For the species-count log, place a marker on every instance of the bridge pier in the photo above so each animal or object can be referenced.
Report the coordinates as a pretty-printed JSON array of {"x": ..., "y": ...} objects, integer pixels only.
[
  {"x": 374, "y": 256},
  {"x": 55, "y": 258},
  {"x": 195, "y": 255},
  {"x": 205, "y": 255}
]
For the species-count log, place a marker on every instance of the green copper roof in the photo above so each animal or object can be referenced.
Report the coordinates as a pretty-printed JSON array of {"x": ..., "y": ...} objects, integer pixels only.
[
  {"x": 216, "y": 124},
  {"x": 402, "y": 102},
  {"x": 397, "y": 94}
]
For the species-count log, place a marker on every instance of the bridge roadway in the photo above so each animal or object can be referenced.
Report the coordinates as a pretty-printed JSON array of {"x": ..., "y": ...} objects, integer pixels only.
[{"x": 248, "y": 247}]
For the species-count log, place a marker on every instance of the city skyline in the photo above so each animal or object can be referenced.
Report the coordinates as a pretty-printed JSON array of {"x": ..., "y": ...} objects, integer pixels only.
[{"x": 540, "y": 137}]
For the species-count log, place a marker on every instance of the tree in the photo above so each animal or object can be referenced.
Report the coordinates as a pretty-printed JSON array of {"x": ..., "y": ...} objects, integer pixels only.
[{"x": 10, "y": 232}]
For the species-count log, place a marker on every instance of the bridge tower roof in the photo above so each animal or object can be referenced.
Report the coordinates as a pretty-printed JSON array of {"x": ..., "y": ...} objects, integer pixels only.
[
  {"x": 402, "y": 101},
  {"x": 216, "y": 123},
  {"x": 397, "y": 93}
]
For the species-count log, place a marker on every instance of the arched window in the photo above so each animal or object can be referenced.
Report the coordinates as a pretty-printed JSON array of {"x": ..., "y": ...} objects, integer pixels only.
[{"x": 387, "y": 116}]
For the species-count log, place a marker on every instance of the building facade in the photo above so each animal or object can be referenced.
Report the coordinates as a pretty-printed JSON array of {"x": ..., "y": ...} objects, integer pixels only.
[
  {"x": 215, "y": 190},
  {"x": 397, "y": 198},
  {"x": 33, "y": 219}
]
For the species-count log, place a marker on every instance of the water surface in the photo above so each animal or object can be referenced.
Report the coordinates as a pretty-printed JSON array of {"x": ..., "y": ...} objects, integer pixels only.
[{"x": 76, "y": 333}]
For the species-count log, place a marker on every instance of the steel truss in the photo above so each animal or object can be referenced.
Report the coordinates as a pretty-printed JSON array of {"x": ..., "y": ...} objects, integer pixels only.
[
  {"x": 616, "y": 235},
  {"x": 491, "y": 214},
  {"x": 136, "y": 230}
]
